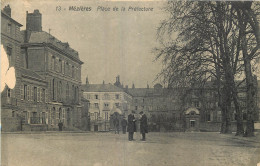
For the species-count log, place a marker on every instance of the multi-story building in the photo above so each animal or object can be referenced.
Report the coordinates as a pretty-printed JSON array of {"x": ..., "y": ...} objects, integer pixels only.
[
  {"x": 59, "y": 65},
  {"x": 21, "y": 105},
  {"x": 105, "y": 100},
  {"x": 48, "y": 78}
]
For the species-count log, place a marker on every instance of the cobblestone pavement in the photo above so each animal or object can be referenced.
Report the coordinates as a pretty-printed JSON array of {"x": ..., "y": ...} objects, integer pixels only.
[{"x": 108, "y": 149}]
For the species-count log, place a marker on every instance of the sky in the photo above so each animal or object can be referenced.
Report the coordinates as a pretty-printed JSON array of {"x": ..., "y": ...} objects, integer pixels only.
[{"x": 110, "y": 43}]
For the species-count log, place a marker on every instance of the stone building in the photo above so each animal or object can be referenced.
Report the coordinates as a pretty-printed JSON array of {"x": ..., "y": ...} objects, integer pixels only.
[
  {"x": 105, "y": 100},
  {"x": 60, "y": 66},
  {"x": 48, "y": 78}
]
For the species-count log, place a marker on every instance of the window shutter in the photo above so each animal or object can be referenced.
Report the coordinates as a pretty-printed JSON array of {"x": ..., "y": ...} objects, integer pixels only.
[
  {"x": 46, "y": 95},
  {"x": 40, "y": 91},
  {"x": 38, "y": 94},
  {"x": 29, "y": 117},
  {"x": 63, "y": 115},
  {"x": 46, "y": 117},
  {"x": 28, "y": 92},
  {"x": 21, "y": 91},
  {"x": 32, "y": 93}
]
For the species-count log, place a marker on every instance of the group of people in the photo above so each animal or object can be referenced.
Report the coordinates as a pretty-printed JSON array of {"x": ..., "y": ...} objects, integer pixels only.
[{"x": 131, "y": 125}]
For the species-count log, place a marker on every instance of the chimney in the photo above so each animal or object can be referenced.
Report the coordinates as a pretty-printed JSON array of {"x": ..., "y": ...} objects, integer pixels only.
[
  {"x": 34, "y": 21},
  {"x": 7, "y": 10},
  {"x": 133, "y": 86}
]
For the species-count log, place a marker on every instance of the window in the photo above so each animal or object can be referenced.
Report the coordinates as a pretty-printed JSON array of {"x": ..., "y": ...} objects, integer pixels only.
[
  {"x": 53, "y": 63},
  {"x": 13, "y": 113},
  {"x": 60, "y": 66},
  {"x": 25, "y": 92},
  {"x": 9, "y": 28},
  {"x": 136, "y": 107},
  {"x": 35, "y": 94},
  {"x": 67, "y": 92},
  {"x": 88, "y": 96},
  {"x": 106, "y": 115},
  {"x": 53, "y": 89},
  {"x": 106, "y": 96},
  {"x": 192, "y": 123},
  {"x": 72, "y": 72},
  {"x": 96, "y": 96},
  {"x": 8, "y": 92},
  {"x": 117, "y": 104},
  {"x": 9, "y": 54},
  {"x": 143, "y": 107},
  {"x": 207, "y": 116},
  {"x": 43, "y": 95},
  {"x": 106, "y": 104},
  {"x": 95, "y": 115},
  {"x": 96, "y": 105},
  {"x": 117, "y": 96},
  {"x": 143, "y": 100},
  {"x": 196, "y": 104}
]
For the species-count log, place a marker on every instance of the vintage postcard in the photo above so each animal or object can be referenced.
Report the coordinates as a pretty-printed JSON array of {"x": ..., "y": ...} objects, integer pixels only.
[{"x": 130, "y": 83}]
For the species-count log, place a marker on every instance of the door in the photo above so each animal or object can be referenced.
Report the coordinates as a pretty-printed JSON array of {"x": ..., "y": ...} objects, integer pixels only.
[
  {"x": 192, "y": 125},
  {"x": 95, "y": 127}
]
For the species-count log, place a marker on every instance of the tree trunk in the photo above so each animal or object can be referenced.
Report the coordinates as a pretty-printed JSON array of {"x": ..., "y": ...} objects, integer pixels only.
[{"x": 249, "y": 83}]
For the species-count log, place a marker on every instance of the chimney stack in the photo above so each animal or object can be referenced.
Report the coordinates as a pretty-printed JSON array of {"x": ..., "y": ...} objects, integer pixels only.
[
  {"x": 34, "y": 21},
  {"x": 7, "y": 10}
]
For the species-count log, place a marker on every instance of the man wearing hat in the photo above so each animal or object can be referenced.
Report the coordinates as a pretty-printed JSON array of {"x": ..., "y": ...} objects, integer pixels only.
[
  {"x": 143, "y": 125},
  {"x": 131, "y": 128}
]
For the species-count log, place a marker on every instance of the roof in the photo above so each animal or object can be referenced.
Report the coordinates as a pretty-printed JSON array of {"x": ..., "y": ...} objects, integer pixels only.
[
  {"x": 139, "y": 92},
  {"x": 101, "y": 88},
  {"x": 10, "y": 18},
  {"x": 45, "y": 37},
  {"x": 30, "y": 73}
]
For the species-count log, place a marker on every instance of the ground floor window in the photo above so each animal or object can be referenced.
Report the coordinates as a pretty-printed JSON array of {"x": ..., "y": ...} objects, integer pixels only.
[{"x": 192, "y": 123}]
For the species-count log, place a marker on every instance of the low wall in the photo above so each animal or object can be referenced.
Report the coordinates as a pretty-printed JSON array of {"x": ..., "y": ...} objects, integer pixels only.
[{"x": 10, "y": 124}]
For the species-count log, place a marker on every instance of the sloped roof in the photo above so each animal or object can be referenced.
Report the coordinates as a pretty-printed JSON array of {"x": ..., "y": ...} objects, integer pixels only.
[
  {"x": 139, "y": 92},
  {"x": 101, "y": 88},
  {"x": 45, "y": 37}
]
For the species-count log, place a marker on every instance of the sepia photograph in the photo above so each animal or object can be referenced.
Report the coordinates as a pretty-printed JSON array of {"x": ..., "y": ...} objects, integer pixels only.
[{"x": 130, "y": 83}]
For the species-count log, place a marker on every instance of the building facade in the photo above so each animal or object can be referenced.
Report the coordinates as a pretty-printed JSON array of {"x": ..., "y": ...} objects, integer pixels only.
[
  {"x": 105, "y": 100},
  {"x": 48, "y": 78}
]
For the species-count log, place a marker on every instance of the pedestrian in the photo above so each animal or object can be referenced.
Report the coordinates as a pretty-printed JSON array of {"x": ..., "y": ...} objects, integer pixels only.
[
  {"x": 124, "y": 124},
  {"x": 143, "y": 125},
  {"x": 60, "y": 124},
  {"x": 131, "y": 128},
  {"x": 116, "y": 124}
]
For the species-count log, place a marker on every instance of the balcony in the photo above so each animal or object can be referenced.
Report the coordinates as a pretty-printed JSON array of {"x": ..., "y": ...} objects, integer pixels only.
[{"x": 8, "y": 101}]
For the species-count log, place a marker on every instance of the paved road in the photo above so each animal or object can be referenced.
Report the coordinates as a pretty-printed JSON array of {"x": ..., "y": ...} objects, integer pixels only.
[{"x": 108, "y": 149}]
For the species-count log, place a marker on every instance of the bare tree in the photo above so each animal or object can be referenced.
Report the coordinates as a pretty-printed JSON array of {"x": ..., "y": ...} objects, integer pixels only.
[{"x": 207, "y": 45}]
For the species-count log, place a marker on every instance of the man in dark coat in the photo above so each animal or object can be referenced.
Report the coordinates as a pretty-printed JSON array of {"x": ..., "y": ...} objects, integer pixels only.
[
  {"x": 116, "y": 125},
  {"x": 143, "y": 125},
  {"x": 60, "y": 124},
  {"x": 131, "y": 128},
  {"x": 124, "y": 124}
]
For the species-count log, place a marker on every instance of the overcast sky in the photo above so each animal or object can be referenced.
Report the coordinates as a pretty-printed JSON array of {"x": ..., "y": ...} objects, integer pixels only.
[{"x": 109, "y": 43}]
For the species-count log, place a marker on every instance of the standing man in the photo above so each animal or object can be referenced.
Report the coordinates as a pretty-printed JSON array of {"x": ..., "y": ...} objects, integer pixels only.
[
  {"x": 60, "y": 124},
  {"x": 131, "y": 128},
  {"x": 143, "y": 125},
  {"x": 124, "y": 124},
  {"x": 116, "y": 124}
]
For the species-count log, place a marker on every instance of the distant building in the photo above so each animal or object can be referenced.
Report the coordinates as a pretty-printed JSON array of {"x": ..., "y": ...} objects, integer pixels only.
[{"x": 105, "y": 100}]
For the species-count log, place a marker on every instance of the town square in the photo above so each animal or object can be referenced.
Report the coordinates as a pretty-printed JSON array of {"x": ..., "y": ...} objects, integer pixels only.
[{"x": 130, "y": 83}]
